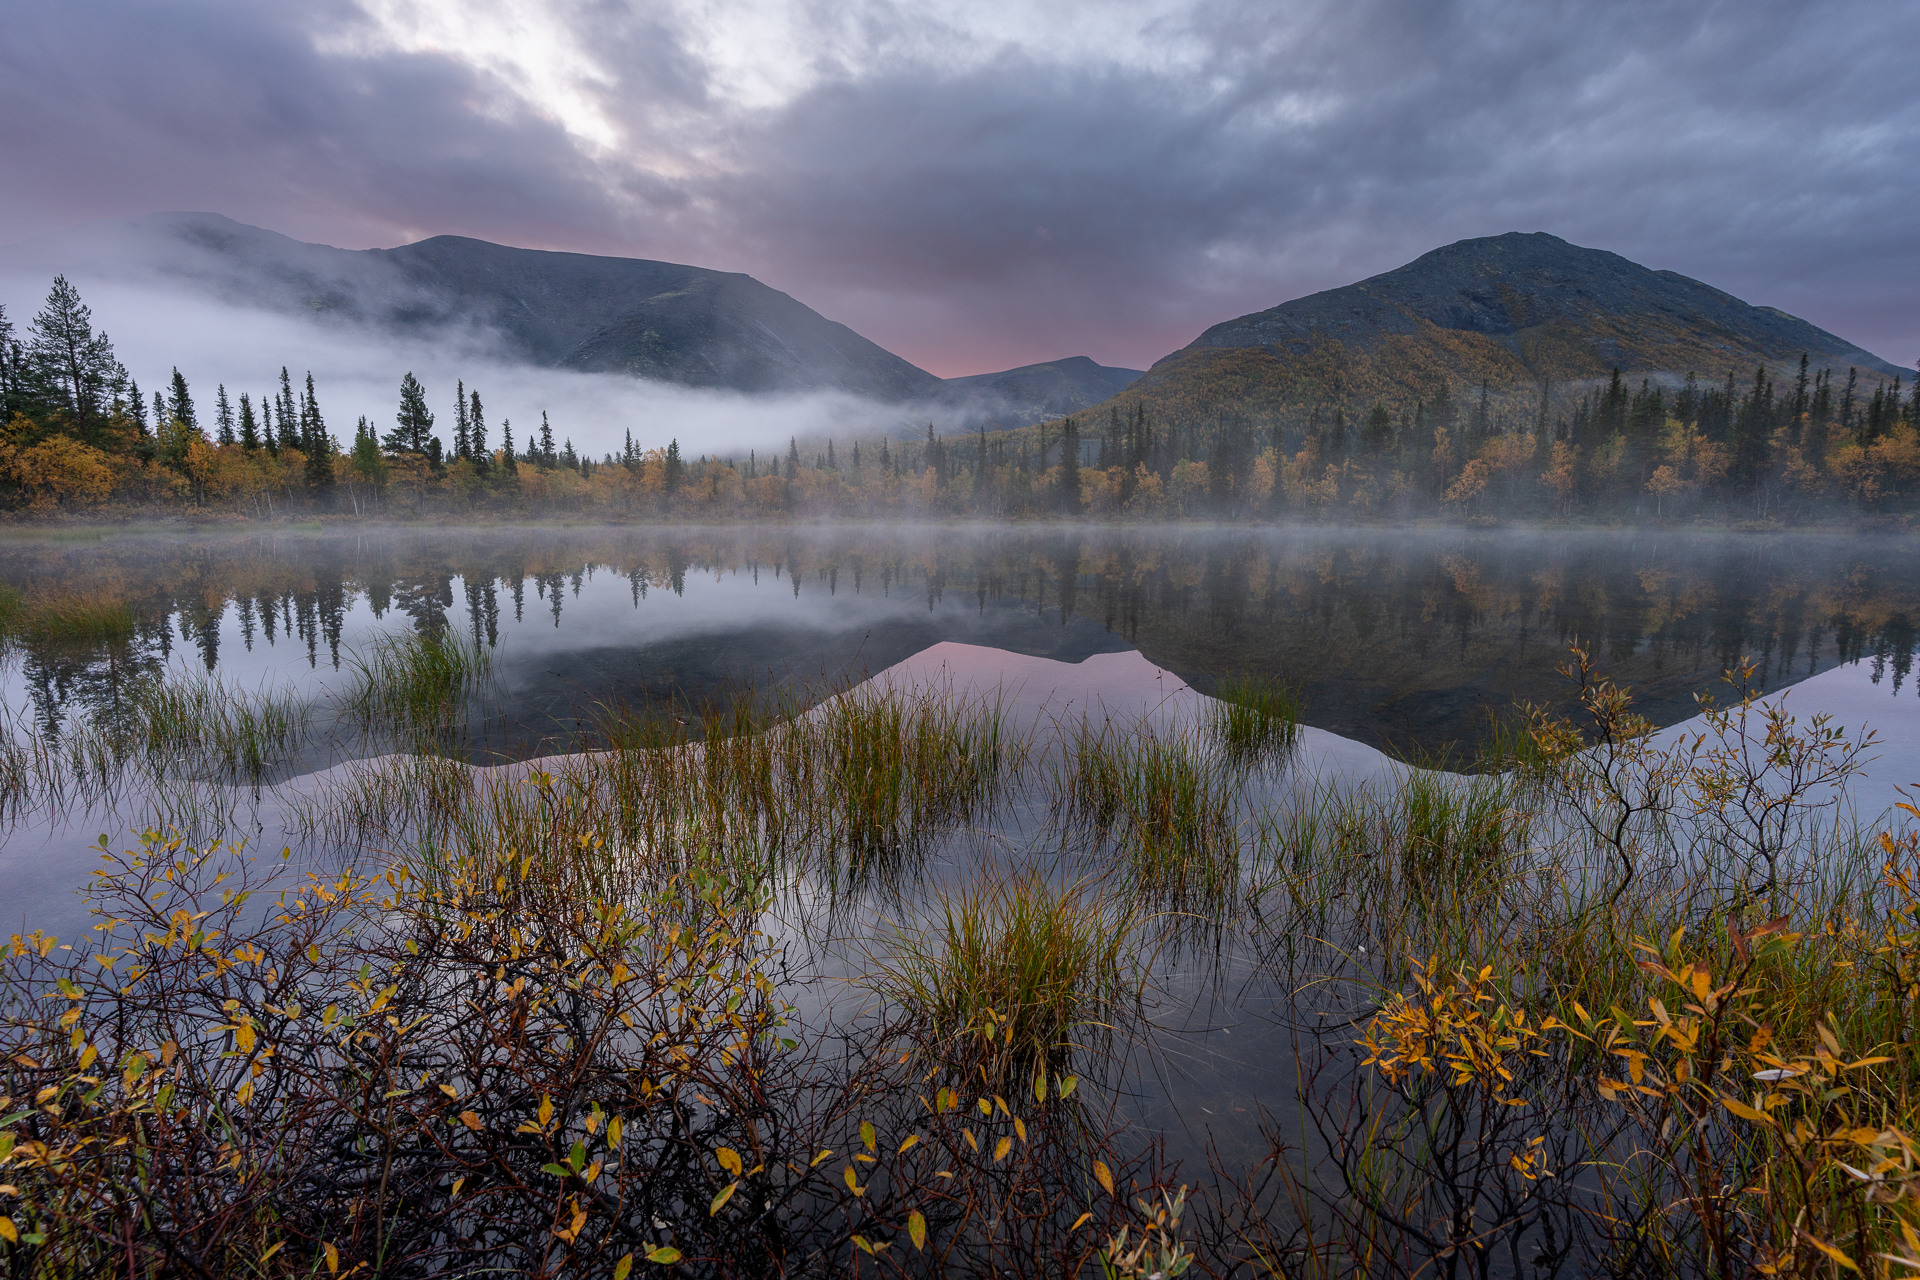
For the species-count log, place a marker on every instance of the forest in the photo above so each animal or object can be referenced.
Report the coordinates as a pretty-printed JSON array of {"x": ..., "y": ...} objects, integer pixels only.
[{"x": 81, "y": 439}]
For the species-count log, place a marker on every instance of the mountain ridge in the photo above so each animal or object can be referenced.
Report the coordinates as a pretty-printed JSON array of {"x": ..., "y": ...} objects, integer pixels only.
[{"x": 1519, "y": 314}]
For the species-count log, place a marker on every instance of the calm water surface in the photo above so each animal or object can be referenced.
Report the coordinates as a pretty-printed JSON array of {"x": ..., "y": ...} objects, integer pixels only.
[{"x": 1402, "y": 640}]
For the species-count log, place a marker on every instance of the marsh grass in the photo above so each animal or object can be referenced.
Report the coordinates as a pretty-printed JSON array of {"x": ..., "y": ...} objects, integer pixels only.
[
  {"x": 1013, "y": 973},
  {"x": 1165, "y": 800},
  {"x": 415, "y": 685},
  {"x": 79, "y": 618},
  {"x": 1255, "y": 718},
  {"x": 207, "y": 725}
]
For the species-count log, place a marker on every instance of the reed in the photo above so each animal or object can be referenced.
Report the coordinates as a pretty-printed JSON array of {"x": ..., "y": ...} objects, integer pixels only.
[
  {"x": 1255, "y": 718},
  {"x": 79, "y": 618},
  {"x": 416, "y": 683},
  {"x": 1013, "y": 973},
  {"x": 1165, "y": 800}
]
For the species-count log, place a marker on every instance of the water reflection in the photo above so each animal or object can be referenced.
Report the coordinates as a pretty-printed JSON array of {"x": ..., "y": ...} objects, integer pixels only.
[{"x": 1398, "y": 638}]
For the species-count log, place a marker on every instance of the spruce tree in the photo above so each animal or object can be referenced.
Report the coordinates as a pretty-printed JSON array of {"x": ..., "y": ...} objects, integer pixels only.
[
  {"x": 223, "y": 416},
  {"x": 137, "y": 407},
  {"x": 159, "y": 413},
  {"x": 249, "y": 429},
  {"x": 315, "y": 442},
  {"x": 287, "y": 412},
  {"x": 509, "y": 465},
  {"x": 460, "y": 444},
  {"x": 180, "y": 403},
  {"x": 675, "y": 468},
  {"x": 75, "y": 364},
  {"x": 477, "y": 433},
  {"x": 414, "y": 420},
  {"x": 793, "y": 456},
  {"x": 548, "y": 458}
]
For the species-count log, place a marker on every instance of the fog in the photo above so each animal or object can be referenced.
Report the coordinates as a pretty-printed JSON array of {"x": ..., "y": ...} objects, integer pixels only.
[{"x": 358, "y": 371}]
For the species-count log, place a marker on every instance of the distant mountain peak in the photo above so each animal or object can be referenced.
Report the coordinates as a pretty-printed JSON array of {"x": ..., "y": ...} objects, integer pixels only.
[
  {"x": 1599, "y": 308},
  {"x": 660, "y": 320}
]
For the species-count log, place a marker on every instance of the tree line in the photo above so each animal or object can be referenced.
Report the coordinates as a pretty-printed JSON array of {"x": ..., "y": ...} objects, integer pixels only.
[{"x": 78, "y": 434}]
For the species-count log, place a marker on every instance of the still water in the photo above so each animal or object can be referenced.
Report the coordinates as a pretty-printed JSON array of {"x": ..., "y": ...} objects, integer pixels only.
[{"x": 1403, "y": 642}]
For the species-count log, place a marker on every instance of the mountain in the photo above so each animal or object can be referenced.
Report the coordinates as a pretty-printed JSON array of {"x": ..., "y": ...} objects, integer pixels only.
[
  {"x": 659, "y": 320},
  {"x": 1507, "y": 312},
  {"x": 1036, "y": 392}
]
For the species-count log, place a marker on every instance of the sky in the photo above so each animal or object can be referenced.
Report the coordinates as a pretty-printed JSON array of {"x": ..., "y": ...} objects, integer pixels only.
[{"x": 977, "y": 185}]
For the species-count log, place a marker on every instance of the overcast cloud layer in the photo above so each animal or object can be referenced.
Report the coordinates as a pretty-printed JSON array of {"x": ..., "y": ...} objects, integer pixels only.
[{"x": 976, "y": 186}]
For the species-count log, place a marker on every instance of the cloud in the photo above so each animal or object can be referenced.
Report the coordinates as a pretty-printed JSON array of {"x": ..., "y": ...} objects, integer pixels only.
[{"x": 982, "y": 185}]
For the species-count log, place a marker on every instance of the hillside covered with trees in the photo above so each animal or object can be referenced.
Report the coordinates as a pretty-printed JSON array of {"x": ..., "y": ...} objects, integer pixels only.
[{"x": 81, "y": 438}]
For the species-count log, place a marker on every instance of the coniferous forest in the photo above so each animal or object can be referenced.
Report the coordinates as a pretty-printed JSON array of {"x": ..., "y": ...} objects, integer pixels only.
[{"x": 83, "y": 439}]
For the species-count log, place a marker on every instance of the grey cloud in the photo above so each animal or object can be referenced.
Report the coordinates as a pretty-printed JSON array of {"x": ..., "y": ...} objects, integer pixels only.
[{"x": 1018, "y": 203}]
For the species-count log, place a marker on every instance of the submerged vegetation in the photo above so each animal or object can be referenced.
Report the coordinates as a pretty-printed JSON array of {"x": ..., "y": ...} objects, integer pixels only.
[{"x": 865, "y": 982}]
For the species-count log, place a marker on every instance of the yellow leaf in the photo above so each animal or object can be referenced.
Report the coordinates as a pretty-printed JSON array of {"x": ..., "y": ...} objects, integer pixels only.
[
  {"x": 720, "y": 1201},
  {"x": 908, "y": 1145},
  {"x": 457, "y": 1184},
  {"x": 852, "y": 1180},
  {"x": 1829, "y": 1250},
  {"x": 1040, "y": 1086},
  {"x": 8, "y": 1231},
  {"x": 1104, "y": 1176},
  {"x": 917, "y": 1229},
  {"x": 1020, "y": 1127},
  {"x": 729, "y": 1160},
  {"x": 866, "y": 1134},
  {"x": 1001, "y": 1148},
  {"x": 614, "y": 1128},
  {"x": 622, "y": 1267},
  {"x": 546, "y": 1110},
  {"x": 333, "y": 1259},
  {"x": 471, "y": 1120},
  {"x": 663, "y": 1255},
  {"x": 1745, "y": 1112}
]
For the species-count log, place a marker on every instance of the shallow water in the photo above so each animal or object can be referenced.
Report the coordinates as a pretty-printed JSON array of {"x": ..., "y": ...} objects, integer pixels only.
[{"x": 1402, "y": 642}]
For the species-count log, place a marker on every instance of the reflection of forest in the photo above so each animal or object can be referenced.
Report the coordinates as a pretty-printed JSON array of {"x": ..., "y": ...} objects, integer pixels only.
[{"x": 1399, "y": 636}]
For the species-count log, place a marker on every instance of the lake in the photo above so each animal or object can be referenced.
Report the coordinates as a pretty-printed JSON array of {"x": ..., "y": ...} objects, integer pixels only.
[{"x": 1400, "y": 645}]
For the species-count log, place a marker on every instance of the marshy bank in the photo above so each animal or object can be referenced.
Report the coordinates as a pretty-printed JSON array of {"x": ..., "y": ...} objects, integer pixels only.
[{"x": 970, "y": 968}]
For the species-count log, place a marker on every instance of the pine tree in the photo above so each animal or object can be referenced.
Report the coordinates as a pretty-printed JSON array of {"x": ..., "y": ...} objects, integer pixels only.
[
  {"x": 136, "y": 407},
  {"x": 223, "y": 416},
  {"x": 159, "y": 412},
  {"x": 75, "y": 364},
  {"x": 547, "y": 457},
  {"x": 249, "y": 429},
  {"x": 180, "y": 403},
  {"x": 414, "y": 421},
  {"x": 509, "y": 464},
  {"x": 793, "y": 457},
  {"x": 675, "y": 468}
]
